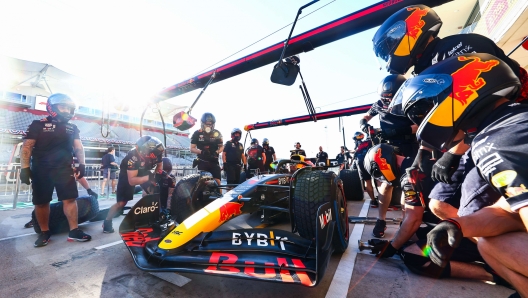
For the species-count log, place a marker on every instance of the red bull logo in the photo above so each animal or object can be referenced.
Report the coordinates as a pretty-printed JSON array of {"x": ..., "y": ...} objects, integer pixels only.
[
  {"x": 414, "y": 21},
  {"x": 384, "y": 167},
  {"x": 467, "y": 80},
  {"x": 229, "y": 210}
]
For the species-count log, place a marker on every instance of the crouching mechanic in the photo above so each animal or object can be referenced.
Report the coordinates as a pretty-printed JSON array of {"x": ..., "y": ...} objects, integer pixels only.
[
  {"x": 207, "y": 143},
  {"x": 385, "y": 164},
  {"x": 137, "y": 164},
  {"x": 48, "y": 147},
  {"x": 232, "y": 156},
  {"x": 362, "y": 147},
  {"x": 497, "y": 129}
]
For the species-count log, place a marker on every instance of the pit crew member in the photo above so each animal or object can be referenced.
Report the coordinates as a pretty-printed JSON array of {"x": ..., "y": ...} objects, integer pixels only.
[
  {"x": 297, "y": 150},
  {"x": 343, "y": 158},
  {"x": 255, "y": 158},
  {"x": 207, "y": 143},
  {"x": 321, "y": 157},
  {"x": 270, "y": 155},
  {"x": 362, "y": 146},
  {"x": 232, "y": 156}
]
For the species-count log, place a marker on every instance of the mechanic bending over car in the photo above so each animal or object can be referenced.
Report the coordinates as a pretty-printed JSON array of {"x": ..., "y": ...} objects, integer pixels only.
[
  {"x": 137, "y": 164},
  {"x": 343, "y": 158},
  {"x": 489, "y": 119},
  {"x": 270, "y": 155},
  {"x": 425, "y": 50},
  {"x": 396, "y": 130},
  {"x": 256, "y": 158},
  {"x": 321, "y": 158},
  {"x": 232, "y": 156},
  {"x": 385, "y": 164},
  {"x": 207, "y": 144},
  {"x": 362, "y": 146},
  {"x": 47, "y": 148}
]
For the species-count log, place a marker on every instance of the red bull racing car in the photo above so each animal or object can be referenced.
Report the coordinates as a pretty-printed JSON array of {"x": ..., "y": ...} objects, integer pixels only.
[{"x": 313, "y": 199}]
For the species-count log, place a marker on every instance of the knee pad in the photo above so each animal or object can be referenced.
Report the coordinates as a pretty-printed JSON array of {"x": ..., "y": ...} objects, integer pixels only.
[{"x": 418, "y": 264}]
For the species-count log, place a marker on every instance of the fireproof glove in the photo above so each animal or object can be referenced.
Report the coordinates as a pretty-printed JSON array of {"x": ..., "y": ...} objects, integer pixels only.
[
  {"x": 25, "y": 174},
  {"x": 387, "y": 252},
  {"x": 445, "y": 167},
  {"x": 442, "y": 240},
  {"x": 364, "y": 126},
  {"x": 81, "y": 170}
]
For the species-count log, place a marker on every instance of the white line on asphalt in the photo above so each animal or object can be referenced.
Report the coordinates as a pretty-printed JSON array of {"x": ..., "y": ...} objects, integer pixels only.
[
  {"x": 109, "y": 244},
  {"x": 18, "y": 236},
  {"x": 343, "y": 274}
]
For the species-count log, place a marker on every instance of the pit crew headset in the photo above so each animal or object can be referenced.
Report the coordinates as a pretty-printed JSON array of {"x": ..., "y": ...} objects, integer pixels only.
[
  {"x": 149, "y": 147},
  {"x": 404, "y": 35},
  {"x": 208, "y": 121},
  {"x": 455, "y": 94},
  {"x": 60, "y": 99},
  {"x": 380, "y": 162}
]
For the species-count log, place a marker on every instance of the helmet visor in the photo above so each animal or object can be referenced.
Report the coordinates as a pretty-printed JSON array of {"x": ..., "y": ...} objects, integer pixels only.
[{"x": 385, "y": 45}]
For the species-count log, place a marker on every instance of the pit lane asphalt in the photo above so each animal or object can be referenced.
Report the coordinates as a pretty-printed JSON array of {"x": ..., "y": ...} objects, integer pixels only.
[{"x": 64, "y": 269}]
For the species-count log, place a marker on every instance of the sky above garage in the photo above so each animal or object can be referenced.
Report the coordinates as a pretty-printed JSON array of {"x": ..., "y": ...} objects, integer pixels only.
[{"x": 136, "y": 48}]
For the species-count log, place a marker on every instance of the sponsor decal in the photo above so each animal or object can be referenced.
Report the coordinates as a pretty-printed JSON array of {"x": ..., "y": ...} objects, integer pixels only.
[
  {"x": 200, "y": 138},
  {"x": 230, "y": 209},
  {"x": 503, "y": 178},
  {"x": 260, "y": 239},
  {"x": 384, "y": 167},
  {"x": 222, "y": 263},
  {"x": 430, "y": 81},
  {"x": 515, "y": 191},
  {"x": 325, "y": 218},
  {"x": 139, "y": 237},
  {"x": 144, "y": 210},
  {"x": 454, "y": 49},
  {"x": 480, "y": 151},
  {"x": 414, "y": 25},
  {"x": 467, "y": 80},
  {"x": 48, "y": 125},
  {"x": 177, "y": 233},
  {"x": 215, "y": 134},
  {"x": 487, "y": 164},
  {"x": 435, "y": 59}
]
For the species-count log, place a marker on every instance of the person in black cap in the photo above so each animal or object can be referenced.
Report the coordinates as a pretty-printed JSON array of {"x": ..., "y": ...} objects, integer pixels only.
[
  {"x": 255, "y": 158},
  {"x": 207, "y": 143},
  {"x": 233, "y": 157},
  {"x": 47, "y": 148}
]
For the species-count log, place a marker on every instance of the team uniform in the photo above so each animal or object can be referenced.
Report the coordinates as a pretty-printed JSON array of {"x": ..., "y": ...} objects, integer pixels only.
[
  {"x": 297, "y": 152},
  {"x": 208, "y": 143},
  {"x": 254, "y": 159},
  {"x": 269, "y": 157},
  {"x": 342, "y": 158},
  {"x": 322, "y": 157},
  {"x": 404, "y": 139},
  {"x": 233, "y": 166},
  {"x": 133, "y": 161},
  {"x": 51, "y": 159},
  {"x": 165, "y": 184},
  {"x": 107, "y": 166},
  {"x": 359, "y": 156}
]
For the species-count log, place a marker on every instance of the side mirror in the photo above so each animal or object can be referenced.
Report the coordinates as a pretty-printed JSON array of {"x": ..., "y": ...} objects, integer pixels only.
[{"x": 285, "y": 72}]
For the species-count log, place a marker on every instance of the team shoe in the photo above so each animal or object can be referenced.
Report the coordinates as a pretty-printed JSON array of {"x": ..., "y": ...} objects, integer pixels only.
[
  {"x": 374, "y": 203},
  {"x": 107, "y": 226},
  {"x": 43, "y": 239},
  {"x": 78, "y": 235},
  {"x": 379, "y": 229}
]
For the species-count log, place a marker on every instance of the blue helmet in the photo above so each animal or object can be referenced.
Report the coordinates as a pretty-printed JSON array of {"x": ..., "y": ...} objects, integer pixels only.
[
  {"x": 57, "y": 99},
  {"x": 150, "y": 147}
]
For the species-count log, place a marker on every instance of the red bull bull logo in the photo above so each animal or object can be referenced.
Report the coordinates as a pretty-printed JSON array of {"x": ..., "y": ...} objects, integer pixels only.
[
  {"x": 229, "y": 210},
  {"x": 467, "y": 80},
  {"x": 384, "y": 167},
  {"x": 414, "y": 21}
]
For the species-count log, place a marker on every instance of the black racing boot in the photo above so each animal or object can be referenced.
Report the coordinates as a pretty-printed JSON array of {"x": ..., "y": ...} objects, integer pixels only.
[
  {"x": 379, "y": 229},
  {"x": 107, "y": 226},
  {"x": 78, "y": 235},
  {"x": 43, "y": 239}
]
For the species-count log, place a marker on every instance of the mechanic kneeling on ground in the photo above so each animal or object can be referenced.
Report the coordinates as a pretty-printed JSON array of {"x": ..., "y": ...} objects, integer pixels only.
[
  {"x": 232, "y": 156},
  {"x": 385, "y": 164},
  {"x": 48, "y": 147},
  {"x": 255, "y": 158},
  {"x": 362, "y": 146},
  {"x": 496, "y": 128},
  {"x": 207, "y": 143},
  {"x": 135, "y": 169}
]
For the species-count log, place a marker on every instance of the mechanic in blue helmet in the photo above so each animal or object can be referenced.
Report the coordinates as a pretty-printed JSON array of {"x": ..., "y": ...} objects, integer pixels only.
[
  {"x": 136, "y": 169},
  {"x": 233, "y": 157},
  {"x": 362, "y": 145},
  {"x": 395, "y": 130},
  {"x": 270, "y": 155},
  {"x": 255, "y": 158},
  {"x": 47, "y": 148},
  {"x": 207, "y": 143}
]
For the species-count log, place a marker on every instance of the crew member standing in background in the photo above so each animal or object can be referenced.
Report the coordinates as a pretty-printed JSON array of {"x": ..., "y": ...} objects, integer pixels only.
[
  {"x": 322, "y": 157},
  {"x": 255, "y": 158},
  {"x": 270, "y": 155},
  {"x": 207, "y": 143},
  {"x": 109, "y": 168},
  {"x": 343, "y": 158},
  {"x": 232, "y": 156},
  {"x": 297, "y": 150}
]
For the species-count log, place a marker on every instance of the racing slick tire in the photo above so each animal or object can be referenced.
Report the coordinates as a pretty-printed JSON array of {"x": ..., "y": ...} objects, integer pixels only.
[
  {"x": 352, "y": 185},
  {"x": 187, "y": 197},
  {"x": 87, "y": 208},
  {"x": 312, "y": 189}
]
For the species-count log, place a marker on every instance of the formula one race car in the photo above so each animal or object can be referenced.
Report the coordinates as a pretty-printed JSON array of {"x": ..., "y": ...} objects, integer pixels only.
[{"x": 313, "y": 199}]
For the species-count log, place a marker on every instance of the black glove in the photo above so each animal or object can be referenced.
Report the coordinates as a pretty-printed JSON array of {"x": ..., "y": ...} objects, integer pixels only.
[
  {"x": 245, "y": 168},
  {"x": 445, "y": 167},
  {"x": 442, "y": 240},
  {"x": 92, "y": 193},
  {"x": 25, "y": 174},
  {"x": 81, "y": 170},
  {"x": 387, "y": 252},
  {"x": 365, "y": 127}
]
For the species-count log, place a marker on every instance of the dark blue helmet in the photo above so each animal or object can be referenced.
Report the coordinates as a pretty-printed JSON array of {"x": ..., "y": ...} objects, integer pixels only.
[
  {"x": 150, "y": 147},
  {"x": 52, "y": 106}
]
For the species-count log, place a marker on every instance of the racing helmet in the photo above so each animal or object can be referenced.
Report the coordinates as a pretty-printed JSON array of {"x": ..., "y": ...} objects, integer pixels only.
[
  {"x": 404, "y": 36},
  {"x": 167, "y": 165},
  {"x": 381, "y": 163},
  {"x": 265, "y": 142},
  {"x": 208, "y": 118},
  {"x": 358, "y": 136},
  {"x": 57, "y": 99},
  {"x": 233, "y": 132},
  {"x": 455, "y": 94},
  {"x": 254, "y": 141},
  {"x": 149, "y": 147},
  {"x": 388, "y": 87}
]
